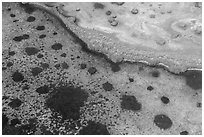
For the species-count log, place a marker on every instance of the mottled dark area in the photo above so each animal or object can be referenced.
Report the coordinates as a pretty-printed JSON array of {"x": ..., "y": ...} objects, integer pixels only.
[
  {"x": 92, "y": 70},
  {"x": 98, "y": 5},
  {"x": 15, "y": 122},
  {"x": 36, "y": 70},
  {"x": 199, "y": 105},
  {"x": 30, "y": 19},
  {"x": 193, "y": 79},
  {"x": 65, "y": 65},
  {"x": 67, "y": 101},
  {"x": 94, "y": 128},
  {"x": 43, "y": 90},
  {"x": 115, "y": 67},
  {"x": 11, "y": 53},
  {"x": 15, "y": 103},
  {"x": 150, "y": 88},
  {"x": 130, "y": 103},
  {"x": 26, "y": 129},
  {"x": 40, "y": 55},
  {"x": 25, "y": 36},
  {"x": 198, "y": 4},
  {"x": 4, "y": 120},
  {"x": 82, "y": 66},
  {"x": 31, "y": 51},
  {"x": 155, "y": 73},
  {"x": 56, "y": 46},
  {"x": 9, "y": 64},
  {"x": 18, "y": 38},
  {"x": 17, "y": 76},
  {"x": 107, "y": 86},
  {"x": 44, "y": 65},
  {"x": 40, "y": 28},
  {"x": 57, "y": 66},
  {"x": 162, "y": 121},
  {"x": 28, "y": 8}
]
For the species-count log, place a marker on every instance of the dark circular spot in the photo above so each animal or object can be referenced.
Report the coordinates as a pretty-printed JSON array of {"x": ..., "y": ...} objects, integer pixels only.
[
  {"x": 65, "y": 65},
  {"x": 162, "y": 121},
  {"x": 43, "y": 90},
  {"x": 36, "y": 70},
  {"x": 82, "y": 66},
  {"x": 150, "y": 88},
  {"x": 39, "y": 55},
  {"x": 12, "y": 15},
  {"x": 165, "y": 100},
  {"x": 94, "y": 129},
  {"x": 155, "y": 73},
  {"x": 131, "y": 79},
  {"x": 67, "y": 101},
  {"x": 9, "y": 64},
  {"x": 15, "y": 122},
  {"x": 193, "y": 78},
  {"x": 11, "y": 53},
  {"x": 30, "y": 19},
  {"x": 56, "y": 46},
  {"x": 17, "y": 76},
  {"x": 107, "y": 86},
  {"x": 15, "y": 103},
  {"x": 134, "y": 11},
  {"x": 98, "y": 5},
  {"x": 184, "y": 133},
  {"x": 115, "y": 67},
  {"x": 92, "y": 70},
  {"x": 63, "y": 55},
  {"x": 108, "y": 12},
  {"x": 18, "y": 38},
  {"x": 130, "y": 103},
  {"x": 31, "y": 51},
  {"x": 42, "y": 36},
  {"x": 4, "y": 120},
  {"x": 40, "y": 28}
]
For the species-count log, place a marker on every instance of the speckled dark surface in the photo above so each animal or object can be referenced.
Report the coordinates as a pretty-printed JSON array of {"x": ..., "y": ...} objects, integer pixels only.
[{"x": 53, "y": 84}]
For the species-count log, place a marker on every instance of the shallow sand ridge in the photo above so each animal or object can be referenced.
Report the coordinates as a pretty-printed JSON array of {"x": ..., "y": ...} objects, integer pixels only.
[{"x": 171, "y": 30}]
